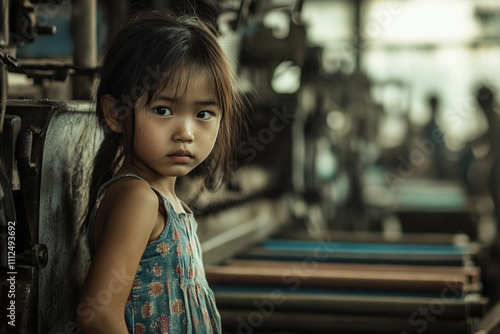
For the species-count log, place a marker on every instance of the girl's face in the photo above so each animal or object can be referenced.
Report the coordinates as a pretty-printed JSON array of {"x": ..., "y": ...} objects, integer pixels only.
[{"x": 174, "y": 134}]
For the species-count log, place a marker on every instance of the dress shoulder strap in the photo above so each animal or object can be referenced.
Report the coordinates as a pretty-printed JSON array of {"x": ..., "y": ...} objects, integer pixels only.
[{"x": 100, "y": 196}]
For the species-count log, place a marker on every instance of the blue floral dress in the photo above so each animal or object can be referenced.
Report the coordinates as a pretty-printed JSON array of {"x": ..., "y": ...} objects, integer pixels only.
[{"x": 170, "y": 293}]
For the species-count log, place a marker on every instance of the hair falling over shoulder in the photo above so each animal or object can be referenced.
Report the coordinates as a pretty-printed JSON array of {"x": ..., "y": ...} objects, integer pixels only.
[{"x": 152, "y": 51}]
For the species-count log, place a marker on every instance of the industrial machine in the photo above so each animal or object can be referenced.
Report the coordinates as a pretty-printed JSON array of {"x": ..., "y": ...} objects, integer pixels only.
[{"x": 289, "y": 243}]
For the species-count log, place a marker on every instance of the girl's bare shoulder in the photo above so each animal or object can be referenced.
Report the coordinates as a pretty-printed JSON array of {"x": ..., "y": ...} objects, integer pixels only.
[
  {"x": 131, "y": 188},
  {"x": 130, "y": 200}
]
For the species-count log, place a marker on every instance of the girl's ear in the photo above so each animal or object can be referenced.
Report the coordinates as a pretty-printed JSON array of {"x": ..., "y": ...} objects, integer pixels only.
[{"x": 111, "y": 114}]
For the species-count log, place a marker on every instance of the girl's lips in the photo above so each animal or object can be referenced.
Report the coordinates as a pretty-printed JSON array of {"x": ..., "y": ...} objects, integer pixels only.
[
  {"x": 181, "y": 153},
  {"x": 181, "y": 157}
]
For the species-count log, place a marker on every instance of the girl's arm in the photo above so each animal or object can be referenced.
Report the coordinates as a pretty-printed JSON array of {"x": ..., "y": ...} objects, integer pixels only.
[{"x": 129, "y": 213}]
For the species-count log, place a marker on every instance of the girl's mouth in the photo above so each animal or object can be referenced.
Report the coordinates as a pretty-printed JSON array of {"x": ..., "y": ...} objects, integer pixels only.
[{"x": 181, "y": 156}]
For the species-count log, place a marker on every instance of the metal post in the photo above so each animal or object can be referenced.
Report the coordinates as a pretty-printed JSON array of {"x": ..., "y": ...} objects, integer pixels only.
[
  {"x": 116, "y": 15},
  {"x": 4, "y": 28},
  {"x": 4, "y": 42},
  {"x": 358, "y": 38},
  {"x": 84, "y": 28}
]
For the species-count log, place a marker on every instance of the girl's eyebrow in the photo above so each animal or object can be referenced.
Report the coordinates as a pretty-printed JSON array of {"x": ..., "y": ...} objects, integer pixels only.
[{"x": 207, "y": 103}]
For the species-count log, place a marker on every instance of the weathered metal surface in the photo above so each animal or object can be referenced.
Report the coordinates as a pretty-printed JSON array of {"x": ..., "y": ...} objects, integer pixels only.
[
  {"x": 54, "y": 149},
  {"x": 21, "y": 314},
  {"x": 11, "y": 129},
  {"x": 69, "y": 145},
  {"x": 35, "y": 117}
]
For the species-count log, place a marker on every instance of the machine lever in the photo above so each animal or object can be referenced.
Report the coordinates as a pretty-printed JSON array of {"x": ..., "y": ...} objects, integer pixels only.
[
  {"x": 25, "y": 143},
  {"x": 8, "y": 59}
]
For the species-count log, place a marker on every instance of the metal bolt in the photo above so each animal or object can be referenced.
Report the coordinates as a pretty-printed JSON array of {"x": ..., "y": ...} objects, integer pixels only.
[{"x": 40, "y": 255}]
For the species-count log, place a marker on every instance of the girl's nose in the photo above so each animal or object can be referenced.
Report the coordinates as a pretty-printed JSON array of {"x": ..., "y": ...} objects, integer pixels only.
[{"x": 183, "y": 132}]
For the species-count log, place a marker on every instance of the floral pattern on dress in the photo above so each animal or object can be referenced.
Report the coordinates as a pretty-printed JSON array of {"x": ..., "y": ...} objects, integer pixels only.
[
  {"x": 178, "y": 270},
  {"x": 155, "y": 288},
  {"x": 163, "y": 324},
  {"x": 139, "y": 328},
  {"x": 191, "y": 273},
  {"x": 189, "y": 250},
  {"x": 163, "y": 248},
  {"x": 177, "y": 306},
  {"x": 157, "y": 271},
  {"x": 170, "y": 293},
  {"x": 178, "y": 251},
  {"x": 206, "y": 317},
  {"x": 147, "y": 310}
]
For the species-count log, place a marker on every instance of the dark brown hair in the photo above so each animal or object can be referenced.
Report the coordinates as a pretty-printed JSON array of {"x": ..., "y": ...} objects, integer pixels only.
[{"x": 153, "y": 51}]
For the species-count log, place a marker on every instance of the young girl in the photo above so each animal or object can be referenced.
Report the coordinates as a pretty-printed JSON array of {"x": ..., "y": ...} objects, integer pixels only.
[{"x": 167, "y": 103}]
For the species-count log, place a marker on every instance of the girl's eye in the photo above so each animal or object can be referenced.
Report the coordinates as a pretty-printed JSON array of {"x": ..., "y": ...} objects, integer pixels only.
[
  {"x": 205, "y": 114},
  {"x": 163, "y": 111}
]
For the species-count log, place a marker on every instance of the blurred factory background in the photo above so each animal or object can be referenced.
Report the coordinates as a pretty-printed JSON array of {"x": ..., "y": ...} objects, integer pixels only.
[{"x": 364, "y": 198}]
